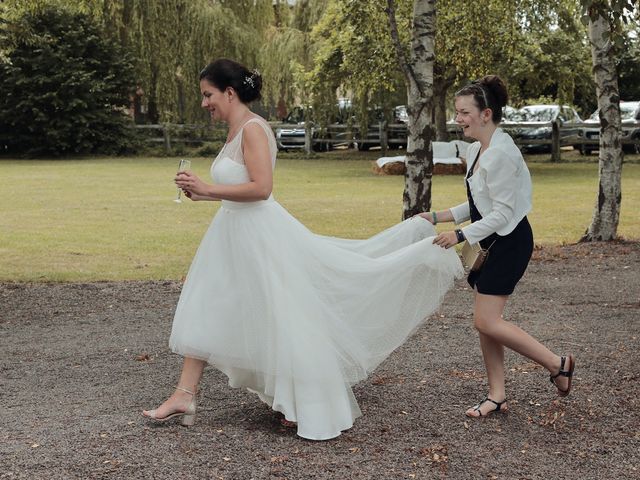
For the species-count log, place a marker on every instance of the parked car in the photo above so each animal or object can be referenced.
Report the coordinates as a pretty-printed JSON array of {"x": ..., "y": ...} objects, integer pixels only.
[
  {"x": 629, "y": 113},
  {"x": 544, "y": 114},
  {"x": 396, "y": 136},
  {"x": 510, "y": 118},
  {"x": 511, "y": 114},
  {"x": 292, "y": 137}
]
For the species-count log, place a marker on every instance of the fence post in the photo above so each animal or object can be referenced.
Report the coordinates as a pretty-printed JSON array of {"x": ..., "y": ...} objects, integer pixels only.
[
  {"x": 383, "y": 137},
  {"x": 555, "y": 141},
  {"x": 167, "y": 137},
  {"x": 308, "y": 138}
]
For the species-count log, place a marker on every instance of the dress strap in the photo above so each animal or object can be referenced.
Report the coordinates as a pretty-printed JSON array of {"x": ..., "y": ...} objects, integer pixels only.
[
  {"x": 265, "y": 126},
  {"x": 271, "y": 139},
  {"x": 473, "y": 165}
]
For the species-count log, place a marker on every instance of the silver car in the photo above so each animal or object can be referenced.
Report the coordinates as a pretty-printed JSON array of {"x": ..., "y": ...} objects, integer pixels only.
[
  {"x": 543, "y": 115},
  {"x": 291, "y": 135},
  {"x": 629, "y": 113}
]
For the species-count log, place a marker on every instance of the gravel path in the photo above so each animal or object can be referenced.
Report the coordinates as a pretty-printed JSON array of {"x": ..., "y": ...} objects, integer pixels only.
[{"x": 78, "y": 362}]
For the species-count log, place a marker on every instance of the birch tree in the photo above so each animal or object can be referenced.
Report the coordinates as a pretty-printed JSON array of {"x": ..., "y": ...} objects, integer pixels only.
[
  {"x": 604, "y": 17},
  {"x": 417, "y": 66}
]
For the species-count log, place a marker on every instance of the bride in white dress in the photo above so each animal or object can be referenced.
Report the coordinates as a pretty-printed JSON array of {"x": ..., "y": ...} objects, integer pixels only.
[{"x": 293, "y": 316}]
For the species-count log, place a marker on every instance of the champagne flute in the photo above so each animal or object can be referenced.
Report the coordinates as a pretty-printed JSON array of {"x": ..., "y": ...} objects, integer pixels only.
[{"x": 183, "y": 166}]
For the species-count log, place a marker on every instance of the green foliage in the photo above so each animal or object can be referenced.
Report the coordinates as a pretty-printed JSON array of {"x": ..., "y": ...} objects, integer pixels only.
[
  {"x": 474, "y": 38},
  {"x": 210, "y": 149},
  {"x": 354, "y": 55},
  {"x": 540, "y": 48},
  {"x": 623, "y": 17},
  {"x": 288, "y": 51},
  {"x": 172, "y": 40},
  {"x": 285, "y": 52},
  {"x": 552, "y": 57},
  {"x": 629, "y": 69},
  {"x": 618, "y": 13},
  {"x": 64, "y": 85}
]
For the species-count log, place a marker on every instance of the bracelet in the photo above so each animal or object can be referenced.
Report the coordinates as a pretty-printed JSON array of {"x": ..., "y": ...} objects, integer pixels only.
[
  {"x": 460, "y": 235},
  {"x": 435, "y": 217}
]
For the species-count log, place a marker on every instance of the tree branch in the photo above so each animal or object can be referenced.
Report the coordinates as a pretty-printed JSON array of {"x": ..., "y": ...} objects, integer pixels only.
[{"x": 395, "y": 38}]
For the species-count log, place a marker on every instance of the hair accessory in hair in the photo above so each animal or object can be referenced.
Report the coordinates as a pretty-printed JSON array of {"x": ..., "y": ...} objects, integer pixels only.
[
  {"x": 248, "y": 80},
  {"x": 479, "y": 84}
]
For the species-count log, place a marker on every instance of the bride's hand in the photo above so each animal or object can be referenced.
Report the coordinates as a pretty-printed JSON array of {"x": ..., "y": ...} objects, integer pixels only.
[
  {"x": 189, "y": 182},
  {"x": 195, "y": 197}
]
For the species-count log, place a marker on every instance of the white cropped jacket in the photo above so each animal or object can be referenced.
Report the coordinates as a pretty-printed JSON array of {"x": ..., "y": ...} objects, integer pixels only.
[{"x": 500, "y": 187}]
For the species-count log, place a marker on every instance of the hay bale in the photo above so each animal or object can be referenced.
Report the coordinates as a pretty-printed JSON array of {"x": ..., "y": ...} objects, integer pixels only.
[
  {"x": 399, "y": 168},
  {"x": 449, "y": 169},
  {"x": 391, "y": 168}
]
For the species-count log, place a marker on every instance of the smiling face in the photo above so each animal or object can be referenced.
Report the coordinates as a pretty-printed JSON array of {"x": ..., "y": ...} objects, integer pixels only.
[
  {"x": 472, "y": 120},
  {"x": 214, "y": 100}
]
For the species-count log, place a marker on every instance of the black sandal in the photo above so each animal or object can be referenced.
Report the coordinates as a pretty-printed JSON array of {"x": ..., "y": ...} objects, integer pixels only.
[
  {"x": 564, "y": 373},
  {"x": 484, "y": 400}
]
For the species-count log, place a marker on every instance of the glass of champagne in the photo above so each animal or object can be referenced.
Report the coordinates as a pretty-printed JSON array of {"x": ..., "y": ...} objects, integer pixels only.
[{"x": 183, "y": 166}]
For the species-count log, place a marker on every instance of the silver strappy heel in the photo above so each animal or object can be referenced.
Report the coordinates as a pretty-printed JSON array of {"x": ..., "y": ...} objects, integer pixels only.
[{"x": 188, "y": 416}]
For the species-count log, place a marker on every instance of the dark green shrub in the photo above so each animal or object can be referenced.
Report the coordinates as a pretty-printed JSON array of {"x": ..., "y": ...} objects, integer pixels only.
[
  {"x": 210, "y": 149},
  {"x": 64, "y": 86}
]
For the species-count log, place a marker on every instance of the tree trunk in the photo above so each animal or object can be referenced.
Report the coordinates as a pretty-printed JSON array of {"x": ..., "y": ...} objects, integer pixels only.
[
  {"x": 606, "y": 215},
  {"x": 418, "y": 74},
  {"x": 440, "y": 89}
]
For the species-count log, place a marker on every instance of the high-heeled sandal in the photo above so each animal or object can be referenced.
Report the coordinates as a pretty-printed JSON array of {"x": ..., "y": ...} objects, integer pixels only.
[
  {"x": 188, "y": 416},
  {"x": 499, "y": 408},
  {"x": 564, "y": 373}
]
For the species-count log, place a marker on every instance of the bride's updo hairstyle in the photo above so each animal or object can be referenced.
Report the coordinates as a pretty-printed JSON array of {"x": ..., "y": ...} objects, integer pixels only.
[
  {"x": 223, "y": 73},
  {"x": 488, "y": 92}
]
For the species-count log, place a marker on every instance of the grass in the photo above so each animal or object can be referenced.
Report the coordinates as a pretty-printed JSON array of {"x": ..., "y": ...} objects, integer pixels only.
[{"x": 114, "y": 219}]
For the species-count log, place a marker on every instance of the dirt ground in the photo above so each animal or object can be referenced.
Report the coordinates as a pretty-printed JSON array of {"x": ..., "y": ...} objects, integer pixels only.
[{"x": 78, "y": 362}]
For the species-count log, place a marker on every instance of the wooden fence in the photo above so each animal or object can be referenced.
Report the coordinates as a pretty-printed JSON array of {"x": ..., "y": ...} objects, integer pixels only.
[{"x": 529, "y": 136}]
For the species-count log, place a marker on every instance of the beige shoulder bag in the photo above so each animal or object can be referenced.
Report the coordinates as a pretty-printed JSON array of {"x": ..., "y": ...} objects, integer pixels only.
[{"x": 474, "y": 256}]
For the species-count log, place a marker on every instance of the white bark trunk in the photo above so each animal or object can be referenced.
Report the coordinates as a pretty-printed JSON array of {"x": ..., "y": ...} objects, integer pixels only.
[
  {"x": 604, "y": 223},
  {"x": 418, "y": 72}
]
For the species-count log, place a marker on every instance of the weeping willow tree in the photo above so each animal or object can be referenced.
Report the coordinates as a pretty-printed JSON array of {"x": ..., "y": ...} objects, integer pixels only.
[
  {"x": 288, "y": 50},
  {"x": 173, "y": 39}
]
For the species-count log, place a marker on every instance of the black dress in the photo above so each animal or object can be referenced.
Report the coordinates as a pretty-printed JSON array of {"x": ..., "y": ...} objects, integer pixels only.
[{"x": 508, "y": 257}]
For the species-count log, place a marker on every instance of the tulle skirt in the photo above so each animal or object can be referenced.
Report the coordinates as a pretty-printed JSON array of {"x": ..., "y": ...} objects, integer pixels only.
[{"x": 297, "y": 317}]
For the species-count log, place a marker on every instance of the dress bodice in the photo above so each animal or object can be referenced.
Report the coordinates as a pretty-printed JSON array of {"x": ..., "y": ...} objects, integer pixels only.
[{"x": 229, "y": 168}]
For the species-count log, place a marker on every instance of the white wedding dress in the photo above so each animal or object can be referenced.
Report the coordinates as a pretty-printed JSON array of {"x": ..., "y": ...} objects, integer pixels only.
[{"x": 297, "y": 317}]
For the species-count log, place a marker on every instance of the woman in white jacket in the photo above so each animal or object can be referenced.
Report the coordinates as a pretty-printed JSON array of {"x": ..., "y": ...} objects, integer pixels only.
[{"x": 498, "y": 200}]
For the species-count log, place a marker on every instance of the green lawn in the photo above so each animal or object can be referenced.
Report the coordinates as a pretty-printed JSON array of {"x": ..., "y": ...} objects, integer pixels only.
[{"x": 114, "y": 219}]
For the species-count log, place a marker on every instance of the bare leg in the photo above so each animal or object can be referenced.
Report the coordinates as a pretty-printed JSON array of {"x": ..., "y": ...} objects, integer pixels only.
[
  {"x": 495, "y": 332},
  {"x": 493, "y": 355},
  {"x": 488, "y": 320},
  {"x": 179, "y": 400},
  {"x": 191, "y": 373}
]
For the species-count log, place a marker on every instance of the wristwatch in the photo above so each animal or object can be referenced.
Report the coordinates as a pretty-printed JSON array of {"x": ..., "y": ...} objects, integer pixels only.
[{"x": 460, "y": 235}]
